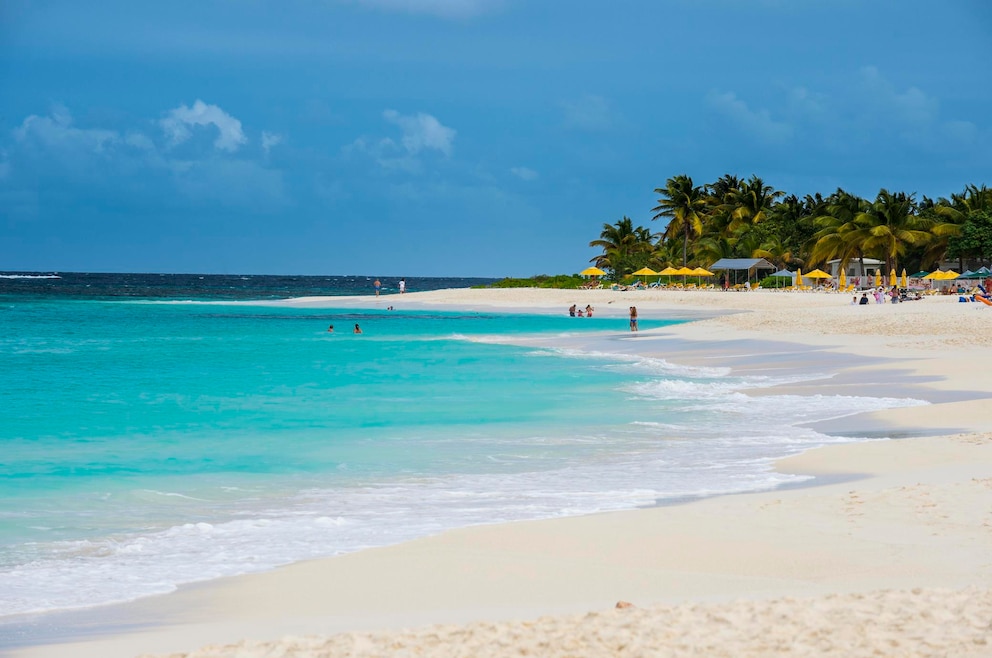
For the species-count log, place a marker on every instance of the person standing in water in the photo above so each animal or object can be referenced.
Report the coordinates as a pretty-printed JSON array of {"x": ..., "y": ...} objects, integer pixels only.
[
  {"x": 402, "y": 286},
  {"x": 633, "y": 318},
  {"x": 378, "y": 286},
  {"x": 358, "y": 329}
]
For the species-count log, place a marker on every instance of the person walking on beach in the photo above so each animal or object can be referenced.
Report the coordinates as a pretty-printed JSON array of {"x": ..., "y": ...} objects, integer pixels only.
[
  {"x": 378, "y": 286},
  {"x": 633, "y": 318},
  {"x": 402, "y": 286}
]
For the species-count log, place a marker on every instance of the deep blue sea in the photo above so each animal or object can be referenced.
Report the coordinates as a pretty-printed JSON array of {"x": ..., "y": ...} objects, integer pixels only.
[{"x": 165, "y": 429}]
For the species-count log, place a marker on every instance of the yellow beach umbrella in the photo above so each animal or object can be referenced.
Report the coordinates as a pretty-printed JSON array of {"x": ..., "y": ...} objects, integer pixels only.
[
  {"x": 949, "y": 274},
  {"x": 702, "y": 271},
  {"x": 903, "y": 283},
  {"x": 936, "y": 274},
  {"x": 799, "y": 276},
  {"x": 818, "y": 274},
  {"x": 668, "y": 271},
  {"x": 842, "y": 282},
  {"x": 684, "y": 271},
  {"x": 878, "y": 278},
  {"x": 645, "y": 271},
  {"x": 592, "y": 271}
]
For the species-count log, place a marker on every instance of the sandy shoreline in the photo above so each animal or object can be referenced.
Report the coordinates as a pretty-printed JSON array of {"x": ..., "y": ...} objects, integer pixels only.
[{"x": 918, "y": 516}]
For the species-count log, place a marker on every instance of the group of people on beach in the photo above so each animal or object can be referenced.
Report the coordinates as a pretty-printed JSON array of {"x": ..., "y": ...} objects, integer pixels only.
[
  {"x": 377, "y": 286},
  {"x": 574, "y": 311}
]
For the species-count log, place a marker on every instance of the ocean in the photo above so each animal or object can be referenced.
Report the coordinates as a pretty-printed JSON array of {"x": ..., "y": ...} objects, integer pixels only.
[{"x": 167, "y": 429}]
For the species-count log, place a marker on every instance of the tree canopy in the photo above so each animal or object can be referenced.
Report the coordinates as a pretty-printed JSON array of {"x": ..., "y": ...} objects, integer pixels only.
[{"x": 734, "y": 217}]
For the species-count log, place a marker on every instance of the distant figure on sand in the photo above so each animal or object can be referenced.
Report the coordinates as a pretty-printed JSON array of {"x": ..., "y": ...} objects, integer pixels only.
[
  {"x": 633, "y": 318},
  {"x": 864, "y": 299},
  {"x": 358, "y": 329},
  {"x": 588, "y": 311},
  {"x": 402, "y": 286},
  {"x": 330, "y": 329},
  {"x": 378, "y": 286}
]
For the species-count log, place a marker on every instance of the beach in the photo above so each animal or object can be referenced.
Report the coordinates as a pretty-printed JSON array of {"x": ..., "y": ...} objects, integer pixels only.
[{"x": 887, "y": 551}]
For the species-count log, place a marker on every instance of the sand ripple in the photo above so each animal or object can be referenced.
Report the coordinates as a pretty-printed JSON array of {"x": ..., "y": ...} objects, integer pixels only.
[{"x": 907, "y": 624}]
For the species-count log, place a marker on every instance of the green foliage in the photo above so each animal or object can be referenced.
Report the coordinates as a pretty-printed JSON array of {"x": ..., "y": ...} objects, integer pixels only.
[
  {"x": 735, "y": 217},
  {"x": 565, "y": 281},
  {"x": 626, "y": 248},
  {"x": 975, "y": 239},
  {"x": 776, "y": 282}
]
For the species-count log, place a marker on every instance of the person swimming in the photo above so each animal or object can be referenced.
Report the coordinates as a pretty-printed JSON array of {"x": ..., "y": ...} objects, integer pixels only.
[{"x": 358, "y": 329}]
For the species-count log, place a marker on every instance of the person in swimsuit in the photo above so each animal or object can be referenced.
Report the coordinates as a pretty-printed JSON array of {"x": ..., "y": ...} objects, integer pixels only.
[
  {"x": 633, "y": 318},
  {"x": 378, "y": 286},
  {"x": 358, "y": 329}
]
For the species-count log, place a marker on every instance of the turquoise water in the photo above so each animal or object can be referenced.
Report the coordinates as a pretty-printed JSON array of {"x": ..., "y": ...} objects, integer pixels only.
[{"x": 148, "y": 444}]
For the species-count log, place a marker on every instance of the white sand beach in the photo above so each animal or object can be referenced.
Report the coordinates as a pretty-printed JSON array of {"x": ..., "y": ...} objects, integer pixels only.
[{"x": 887, "y": 553}]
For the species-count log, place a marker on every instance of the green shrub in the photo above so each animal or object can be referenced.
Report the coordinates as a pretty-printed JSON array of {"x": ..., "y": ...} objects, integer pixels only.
[{"x": 539, "y": 281}]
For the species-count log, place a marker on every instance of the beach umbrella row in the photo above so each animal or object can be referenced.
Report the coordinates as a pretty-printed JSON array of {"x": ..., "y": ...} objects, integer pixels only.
[{"x": 939, "y": 275}]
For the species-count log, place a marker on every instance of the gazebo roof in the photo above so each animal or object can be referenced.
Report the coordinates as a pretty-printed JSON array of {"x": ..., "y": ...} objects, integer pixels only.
[{"x": 742, "y": 264}]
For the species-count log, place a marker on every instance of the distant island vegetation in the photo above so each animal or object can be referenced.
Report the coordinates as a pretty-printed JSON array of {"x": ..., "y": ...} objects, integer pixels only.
[{"x": 737, "y": 218}]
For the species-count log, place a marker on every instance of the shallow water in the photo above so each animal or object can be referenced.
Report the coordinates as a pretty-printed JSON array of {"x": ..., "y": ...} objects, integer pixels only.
[{"x": 148, "y": 444}]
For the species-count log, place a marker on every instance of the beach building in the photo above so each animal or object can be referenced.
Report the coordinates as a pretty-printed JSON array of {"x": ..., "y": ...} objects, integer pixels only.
[
  {"x": 743, "y": 269},
  {"x": 857, "y": 268}
]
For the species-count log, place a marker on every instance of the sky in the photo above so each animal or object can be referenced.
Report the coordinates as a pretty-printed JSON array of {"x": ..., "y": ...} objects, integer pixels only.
[{"x": 455, "y": 137}]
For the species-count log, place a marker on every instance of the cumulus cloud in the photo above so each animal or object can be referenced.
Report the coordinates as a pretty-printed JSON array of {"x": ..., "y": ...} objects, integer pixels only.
[
  {"x": 589, "y": 112},
  {"x": 440, "y": 8},
  {"x": 524, "y": 173},
  {"x": 177, "y": 125},
  {"x": 269, "y": 140},
  {"x": 57, "y": 132},
  {"x": 911, "y": 105},
  {"x": 422, "y": 131},
  {"x": 756, "y": 123}
]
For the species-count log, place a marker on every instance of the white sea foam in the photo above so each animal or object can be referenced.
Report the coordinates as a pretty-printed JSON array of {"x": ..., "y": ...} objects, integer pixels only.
[
  {"x": 693, "y": 432},
  {"x": 30, "y": 276}
]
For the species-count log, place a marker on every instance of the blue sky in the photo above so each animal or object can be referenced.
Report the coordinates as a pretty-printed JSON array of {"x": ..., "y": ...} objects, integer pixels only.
[{"x": 455, "y": 137}]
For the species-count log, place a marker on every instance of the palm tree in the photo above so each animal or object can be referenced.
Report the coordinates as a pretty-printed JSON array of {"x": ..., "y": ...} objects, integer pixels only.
[
  {"x": 839, "y": 234},
  {"x": 625, "y": 248},
  {"x": 683, "y": 204},
  {"x": 752, "y": 202},
  {"x": 892, "y": 225},
  {"x": 946, "y": 219}
]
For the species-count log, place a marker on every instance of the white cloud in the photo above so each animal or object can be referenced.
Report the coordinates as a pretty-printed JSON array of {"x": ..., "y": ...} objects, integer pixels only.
[
  {"x": 803, "y": 102},
  {"x": 588, "y": 113},
  {"x": 422, "y": 131},
  {"x": 177, "y": 125},
  {"x": 441, "y": 8},
  {"x": 758, "y": 123},
  {"x": 524, "y": 173},
  {"x": 911, "y": 105},
  {"x": 269, "y": 140},
  {"x": 139, "y": 141},
  {"x": 56, "y": 132}
]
